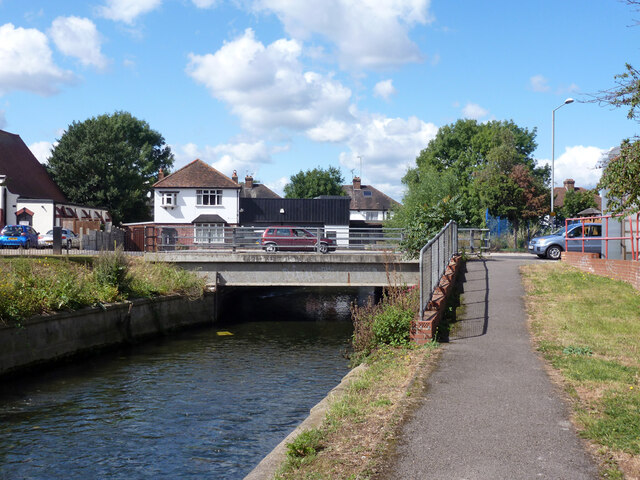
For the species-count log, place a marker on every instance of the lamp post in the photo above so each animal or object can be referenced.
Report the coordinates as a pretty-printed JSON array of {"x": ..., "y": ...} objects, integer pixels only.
[{"x": 553, "y": 151}]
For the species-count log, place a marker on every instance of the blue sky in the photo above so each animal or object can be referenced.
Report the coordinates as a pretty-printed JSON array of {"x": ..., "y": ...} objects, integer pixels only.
[{"x": 272, "y": 87}]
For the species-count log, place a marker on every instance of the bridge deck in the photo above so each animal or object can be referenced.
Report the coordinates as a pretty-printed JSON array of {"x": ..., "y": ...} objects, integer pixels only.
[{"x": 295, "y": 269}]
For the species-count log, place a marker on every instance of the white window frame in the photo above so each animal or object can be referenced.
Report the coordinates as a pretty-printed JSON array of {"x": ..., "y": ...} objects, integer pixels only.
[
  {"x": 208, "y": 197},
  {"x": 371, "y": 215},
  {"x": 168, "y": 199},
  {"x": 208, "y": 233}
]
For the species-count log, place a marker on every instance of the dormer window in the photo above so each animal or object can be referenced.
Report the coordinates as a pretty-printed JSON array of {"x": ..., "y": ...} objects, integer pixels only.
[
  {"x": 367, "y": 193},
  {"x": 168, "y": 199}
]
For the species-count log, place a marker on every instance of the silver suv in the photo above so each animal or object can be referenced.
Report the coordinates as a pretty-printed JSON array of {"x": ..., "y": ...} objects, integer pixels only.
[{"x": 551, "y": 246}]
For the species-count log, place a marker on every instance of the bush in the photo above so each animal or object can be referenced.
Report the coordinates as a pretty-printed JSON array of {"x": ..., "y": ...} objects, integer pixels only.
[
  {"x": 112, "y": 269},
  {"x": 392, "y": 326}
]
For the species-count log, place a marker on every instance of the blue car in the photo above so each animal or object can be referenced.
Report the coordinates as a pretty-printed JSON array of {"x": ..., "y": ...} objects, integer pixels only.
[
  {"x": 18, "y": 236},
  {"x": 576, "y": 237}
]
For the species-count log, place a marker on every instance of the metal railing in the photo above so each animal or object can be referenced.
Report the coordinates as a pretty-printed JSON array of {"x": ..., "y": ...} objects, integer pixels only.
[
  {"x": 598, "y": 242},
  {"x": 247, "y": 239},
  {"x": 474, "y": 240},
  {"x": 434, "y": 258}
]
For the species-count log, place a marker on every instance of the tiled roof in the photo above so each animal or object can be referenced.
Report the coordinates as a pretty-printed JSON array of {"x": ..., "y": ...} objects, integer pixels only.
[
  {"x": 26, "y": 176},
  {"x": 373, "y": 200},
  {"x": 560, "y": 192},
  {"x": 196, "y": 174},
  {"x": 258, "y": 190}
]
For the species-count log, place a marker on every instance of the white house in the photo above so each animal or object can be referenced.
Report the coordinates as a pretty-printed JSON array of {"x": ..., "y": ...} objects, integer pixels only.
[
  {"x": 197, "y": 201},
  {"x": 368, "y": 204},
  {"x": 28, "y": 196}
]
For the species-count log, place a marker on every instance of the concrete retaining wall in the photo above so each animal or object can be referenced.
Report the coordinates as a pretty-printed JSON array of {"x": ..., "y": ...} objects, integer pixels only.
[{"x": 47, "y": 338}]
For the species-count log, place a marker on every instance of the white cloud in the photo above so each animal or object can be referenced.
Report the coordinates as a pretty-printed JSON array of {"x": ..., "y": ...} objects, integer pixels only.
[
  {"x": 42, "y": 150},
  {"x": 278, "y": 185},
  {"x": 579, "y": 163},
  {"x": 127, "y": 10},
  {"x": 330, "y": 131},
  {"x": 388, "y": 147},
  {"x": 79, "y": 38},
  {"x": 384, "y": 89},
  {"x": 539, "y": 83},
  {"x": 474, "y": 111},
  {"x": 26, "y": 63},
  {"x": 267, "y": 87},
  {"x": 366, "y": 33},
  {"x": 244, "y": 157},
  {"x": 204, "y": 3}
]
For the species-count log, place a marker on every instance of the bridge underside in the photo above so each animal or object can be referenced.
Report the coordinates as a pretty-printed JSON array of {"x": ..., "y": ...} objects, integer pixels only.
[{"x": 296, "y": 269}]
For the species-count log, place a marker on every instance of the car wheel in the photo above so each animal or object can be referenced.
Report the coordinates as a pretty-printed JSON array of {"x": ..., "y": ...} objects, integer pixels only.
[
  {"x": 68, "y": 244},
  {"x": 271, "y": 248},
  {"x": 27, "y": 245},
  {"x": 554, "y": 252},
  {"x": 323, "y": 248}
]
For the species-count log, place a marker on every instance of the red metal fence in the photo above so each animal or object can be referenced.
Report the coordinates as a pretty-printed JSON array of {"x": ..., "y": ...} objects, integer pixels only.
[{"x": 629, "y": 238}]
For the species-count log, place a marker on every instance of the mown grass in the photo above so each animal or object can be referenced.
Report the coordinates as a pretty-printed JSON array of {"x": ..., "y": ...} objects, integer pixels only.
[
  {"x": 31, "y": 286},
  {"x": 588, "y": 328}
]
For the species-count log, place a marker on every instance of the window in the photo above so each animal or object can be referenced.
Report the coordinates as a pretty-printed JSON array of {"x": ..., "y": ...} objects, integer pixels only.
[
  {"x": 369, "y": 216},
  {"x": 367, "y": 193},
  {"x": 168, "y": 199},
  {"x": 208, "y": 197},
  {"x": 209, "y": 233}
]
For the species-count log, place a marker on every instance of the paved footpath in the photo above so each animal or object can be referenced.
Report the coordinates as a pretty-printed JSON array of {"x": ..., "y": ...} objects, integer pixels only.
[{"x": 490, "y": 410}]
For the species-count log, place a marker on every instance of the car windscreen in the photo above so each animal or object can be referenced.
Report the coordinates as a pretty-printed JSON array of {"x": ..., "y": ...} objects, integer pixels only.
[
  {"x": 559, "y": 232},
  {"x": 11, "y": 230}
]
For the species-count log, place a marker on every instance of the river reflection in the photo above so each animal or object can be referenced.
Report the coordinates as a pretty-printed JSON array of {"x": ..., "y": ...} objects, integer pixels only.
[{"x": 196, "y": 405}]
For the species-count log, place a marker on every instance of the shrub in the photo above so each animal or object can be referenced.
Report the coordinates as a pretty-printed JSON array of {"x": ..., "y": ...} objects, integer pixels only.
[
  {"x": 392, "y": 326},
  {"x": 112, "y": 269}
]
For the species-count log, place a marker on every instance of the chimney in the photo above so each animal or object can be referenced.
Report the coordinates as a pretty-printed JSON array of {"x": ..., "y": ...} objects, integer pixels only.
[
  {"x": 234, "y": 177},
  {"x": 356, "y": 183},
  {"x": 569, "y": 185},
  {"x": 160, "y": 174},
  {"x": 248, "y": 181}
]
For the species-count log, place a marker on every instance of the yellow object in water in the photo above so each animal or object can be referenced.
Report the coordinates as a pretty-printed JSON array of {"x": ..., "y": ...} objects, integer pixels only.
[{"x": 224, "y": 334}]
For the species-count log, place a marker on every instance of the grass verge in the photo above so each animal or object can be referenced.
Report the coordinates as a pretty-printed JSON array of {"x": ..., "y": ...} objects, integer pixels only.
[
  {"x": 587, "y": 328},
  {"x": 358, "y": 432},
  {"x": 32, "y": 286}
]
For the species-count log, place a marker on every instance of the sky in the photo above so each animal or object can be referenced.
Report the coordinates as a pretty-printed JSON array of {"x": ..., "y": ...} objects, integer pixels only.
[{"x": 272, "y": 87}]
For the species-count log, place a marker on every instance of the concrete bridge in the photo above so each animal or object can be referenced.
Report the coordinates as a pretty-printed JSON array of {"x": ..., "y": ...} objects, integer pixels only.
[{"x": 295, "y": 269}]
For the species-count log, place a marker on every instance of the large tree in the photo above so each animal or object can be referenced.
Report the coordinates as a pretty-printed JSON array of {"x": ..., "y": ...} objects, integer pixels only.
[
  {"x": 313, "y": 183},
  {"x": 110, "y": 161},
  {"x": 621, "y": 177}
]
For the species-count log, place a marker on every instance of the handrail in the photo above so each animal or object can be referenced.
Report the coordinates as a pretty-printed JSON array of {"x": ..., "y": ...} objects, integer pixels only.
[{"x": 443, "y": 246}]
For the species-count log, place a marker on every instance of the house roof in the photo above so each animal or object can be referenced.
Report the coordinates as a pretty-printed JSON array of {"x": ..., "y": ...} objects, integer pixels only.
[
  {"x": 26, "y": 176},
  {"x": 196, "y": 174},
  {"x": 258, "y": 190},
  {"x": 560, "y": 192},
  {"x": 368, "y": 198}
]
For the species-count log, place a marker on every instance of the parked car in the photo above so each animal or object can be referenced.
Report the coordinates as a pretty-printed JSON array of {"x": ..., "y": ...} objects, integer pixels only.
[
  {"x": 551, "y": 246},
  {"x": 294, "y": 238},
  {"x": 18, "y": 236},
  {"x": 69, "y": 239}
]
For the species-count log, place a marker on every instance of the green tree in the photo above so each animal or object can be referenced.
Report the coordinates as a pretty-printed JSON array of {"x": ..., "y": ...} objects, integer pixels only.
[
  {"x": 463, "y": 148},
  {"x": 110, "y": 161},
  {"x": 621, "y": 177},
  {"x": 575, "y": 201},
  {"x": 509, "y": 186},
  {"x": 313, "y": 183}
]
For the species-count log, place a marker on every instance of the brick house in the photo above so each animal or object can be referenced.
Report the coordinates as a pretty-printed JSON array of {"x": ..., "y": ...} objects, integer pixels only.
[
  {"x": 369, "y": 206},
  {"x": 569, "y": 185}
]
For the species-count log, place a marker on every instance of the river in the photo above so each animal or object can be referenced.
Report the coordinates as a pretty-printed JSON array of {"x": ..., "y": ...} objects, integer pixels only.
[{"x": 202, "y": 403}]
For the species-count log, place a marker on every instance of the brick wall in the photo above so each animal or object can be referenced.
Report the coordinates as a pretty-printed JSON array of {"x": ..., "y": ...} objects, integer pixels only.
[
  {"x": 625, "y": 270},
  {"x": 424, "y": 329}
]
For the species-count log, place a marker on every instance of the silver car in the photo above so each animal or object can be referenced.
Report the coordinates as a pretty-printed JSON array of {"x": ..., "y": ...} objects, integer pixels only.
[
  {"x": 69, "y": 239},
  {"x": 573, "y": 237}
]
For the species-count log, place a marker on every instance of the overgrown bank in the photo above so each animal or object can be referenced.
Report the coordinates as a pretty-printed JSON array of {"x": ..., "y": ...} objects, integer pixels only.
[
  {"x": 32, "y": 286},
  {"x": 588, "y": 329}
]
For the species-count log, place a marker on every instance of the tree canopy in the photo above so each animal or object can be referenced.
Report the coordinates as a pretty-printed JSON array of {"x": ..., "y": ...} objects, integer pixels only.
[
  {"x": 313, "y": 183},
  {"x": 622, "y": 175},
  {"x": 470, "y": 167},
  {"x": 576, "y": 201},
  {"x": 110, "y": 161}
]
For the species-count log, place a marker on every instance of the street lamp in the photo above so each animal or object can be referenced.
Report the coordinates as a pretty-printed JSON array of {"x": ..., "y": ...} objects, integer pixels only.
[{"x": 553, "y": 150}]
